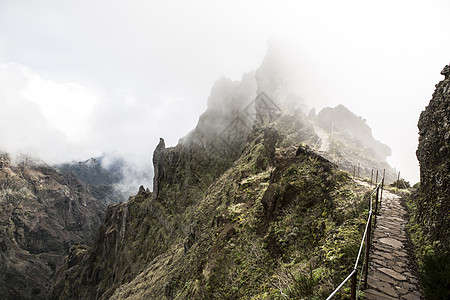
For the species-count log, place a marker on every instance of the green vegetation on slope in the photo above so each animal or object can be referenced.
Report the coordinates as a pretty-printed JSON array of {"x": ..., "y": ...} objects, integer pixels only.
[
  {"x": 280, "y": 222},
  {"x": 432, "y": 258}
]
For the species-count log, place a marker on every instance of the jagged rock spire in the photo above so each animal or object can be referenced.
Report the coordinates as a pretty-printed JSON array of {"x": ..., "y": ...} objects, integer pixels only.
[
  {"x": 157, "y": 158},
  {"x": 446, "y": 71}
]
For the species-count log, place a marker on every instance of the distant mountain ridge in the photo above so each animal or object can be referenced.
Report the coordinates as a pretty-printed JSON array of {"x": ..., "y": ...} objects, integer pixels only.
[
  {"x": 42, "y": 214},
  {"x": 100, "y": 180}
]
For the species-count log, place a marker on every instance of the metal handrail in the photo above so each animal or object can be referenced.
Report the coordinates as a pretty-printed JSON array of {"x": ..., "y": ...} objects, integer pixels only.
[
  {"x": 342, "y": 283},
  {"x": 362, "y": 240},
  {"x": 365, "y": 235}
]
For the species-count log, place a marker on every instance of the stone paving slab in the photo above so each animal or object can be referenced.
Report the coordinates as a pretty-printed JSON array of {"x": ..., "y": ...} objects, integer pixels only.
[{"x": 389, "y": 274}]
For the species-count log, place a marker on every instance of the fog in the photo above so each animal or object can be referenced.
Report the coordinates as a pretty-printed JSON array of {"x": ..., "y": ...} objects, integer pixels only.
[{"x": 79, "y": 79}]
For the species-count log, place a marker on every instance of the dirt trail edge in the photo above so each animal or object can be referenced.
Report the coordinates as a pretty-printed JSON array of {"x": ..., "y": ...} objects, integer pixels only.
[{"x": 390, "y": 275}]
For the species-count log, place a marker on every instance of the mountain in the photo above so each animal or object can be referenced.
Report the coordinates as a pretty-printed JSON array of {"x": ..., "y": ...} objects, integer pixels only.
[
  {"x": 42, "y": 213},
  {"x": 101, "y": 181},
  {"x": 245, "y": 206}
]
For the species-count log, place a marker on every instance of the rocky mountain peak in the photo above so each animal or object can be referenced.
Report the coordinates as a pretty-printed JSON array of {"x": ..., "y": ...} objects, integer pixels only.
[
  {"x": 354, "y": 127},
  {"x": 91, "y": 162},
  {"x": 446, "y": 71},
  {"x": 273, "y": 79},
  {"x": 4, "y": 160},
  {"x": 157, "y": 164},
  {"x": 99, "y": 179}
]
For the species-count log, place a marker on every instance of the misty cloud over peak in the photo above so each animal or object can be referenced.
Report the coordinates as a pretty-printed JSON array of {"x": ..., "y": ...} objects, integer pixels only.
[{"x": 130, "y": 73}]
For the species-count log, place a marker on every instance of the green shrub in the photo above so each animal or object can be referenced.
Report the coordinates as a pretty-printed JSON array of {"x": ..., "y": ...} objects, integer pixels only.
[
  {"x": 401, "y": 184},
  {"x": 435, "y": 275}
]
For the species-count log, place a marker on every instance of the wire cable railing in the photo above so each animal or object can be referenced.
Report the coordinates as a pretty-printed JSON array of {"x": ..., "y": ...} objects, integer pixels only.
[{"x": 366, "y": 240}]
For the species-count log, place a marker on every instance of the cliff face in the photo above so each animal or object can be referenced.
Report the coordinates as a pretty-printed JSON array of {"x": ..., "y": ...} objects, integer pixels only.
[
  {"x": 433, "y": 154},
  {"x": 42, "y": 212}
]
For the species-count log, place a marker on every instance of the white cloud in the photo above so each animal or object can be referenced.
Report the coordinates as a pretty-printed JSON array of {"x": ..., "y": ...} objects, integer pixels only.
[
  {"x": 66, "y": 106},
  {"x": 23, "y": 127},
  {"x": 40, "y": 114},
  {"x": 131, "y": 72}
]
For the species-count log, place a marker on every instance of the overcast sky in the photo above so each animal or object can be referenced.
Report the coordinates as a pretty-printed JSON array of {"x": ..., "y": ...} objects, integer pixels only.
[{"x": 80, "y": 78}]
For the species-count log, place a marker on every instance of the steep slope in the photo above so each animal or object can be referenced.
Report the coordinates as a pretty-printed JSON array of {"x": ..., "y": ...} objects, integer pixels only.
[
  {"x": 269, "y": 214},
  {"x": 42, "y": 213},
  {"x": 280, "y": 221}
]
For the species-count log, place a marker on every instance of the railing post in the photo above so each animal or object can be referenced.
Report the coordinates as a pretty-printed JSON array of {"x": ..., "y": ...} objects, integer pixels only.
[
  {"x": 376, "y": 203},
  {"x": 353, "y": 287},
  {"x": 368, "y": 236},
  {"x": 398, "y": 179},
  {"x": 366, "y": 271},
  {"x": 371, "y": 178}
]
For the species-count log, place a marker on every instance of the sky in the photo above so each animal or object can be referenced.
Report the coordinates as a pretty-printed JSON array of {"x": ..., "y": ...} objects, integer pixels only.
[{"x": 82, "y": 78}]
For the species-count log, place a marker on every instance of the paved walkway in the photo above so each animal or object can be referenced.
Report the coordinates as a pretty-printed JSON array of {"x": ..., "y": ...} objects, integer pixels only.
[{"x": 390, "y": 276}]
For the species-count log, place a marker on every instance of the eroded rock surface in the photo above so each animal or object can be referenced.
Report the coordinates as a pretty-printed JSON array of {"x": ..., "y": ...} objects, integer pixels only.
[
  {"x": 42, "y": 213},
  {"x": 433, "y": 154}
]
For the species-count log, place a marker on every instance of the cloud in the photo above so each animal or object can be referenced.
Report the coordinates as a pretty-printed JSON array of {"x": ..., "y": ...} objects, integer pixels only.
[
  {"x": 61, "y": 122},
  {"x": 23, "y": 126},
  {"x": 40, "y": 114},
  {"x": 128, "y": 73}
]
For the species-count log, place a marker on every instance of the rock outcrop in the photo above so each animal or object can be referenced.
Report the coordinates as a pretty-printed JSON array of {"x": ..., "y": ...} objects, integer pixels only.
[
  {"x": 341, "y": 120},
  {"x": 433, "y": 154},
  {"x": 157, "y": 165},
  {"x": 347, "y": 140},
  {"x": 42, "y": 213}
]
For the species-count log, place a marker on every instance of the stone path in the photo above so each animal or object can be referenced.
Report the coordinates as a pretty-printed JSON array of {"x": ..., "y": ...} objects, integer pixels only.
[{"x": 390, "y": 276}]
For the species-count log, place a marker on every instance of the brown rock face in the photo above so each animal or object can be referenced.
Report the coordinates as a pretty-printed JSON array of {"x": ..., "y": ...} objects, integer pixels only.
[
  {"x": 433, "y": 154},
  {"x": 42, "y": 213}
]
